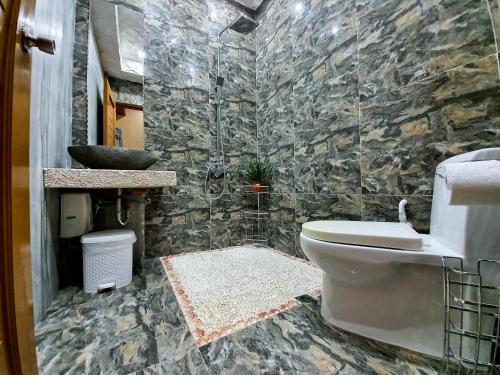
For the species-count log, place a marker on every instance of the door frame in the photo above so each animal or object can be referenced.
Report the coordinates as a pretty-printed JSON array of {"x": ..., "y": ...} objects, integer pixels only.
[
  {"x": 16, "y": 316},
  {"x": 109, "y": 126}
]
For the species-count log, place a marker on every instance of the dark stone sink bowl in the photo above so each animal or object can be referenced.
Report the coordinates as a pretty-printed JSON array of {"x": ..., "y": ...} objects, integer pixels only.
[{"x": 107, "y": 157}]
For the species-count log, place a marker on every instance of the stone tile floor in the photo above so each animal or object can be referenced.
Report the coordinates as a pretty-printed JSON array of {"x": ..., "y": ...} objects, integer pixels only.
[{"x": 140, "y": 329}]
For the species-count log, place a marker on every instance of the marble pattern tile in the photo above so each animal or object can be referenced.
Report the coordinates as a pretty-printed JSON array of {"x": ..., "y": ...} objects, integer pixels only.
[
  {"x": 274, "y": 15},
  {"x": 283, "y": 161},
  {"x": 381, "y": 91},
  {"x": 494, "y": 9},
  {"x": 302, "y": 109},
  {"x": 127, "y": 91},
  {"x": 282, "y": 222},
  {"x": 238, "y": 107},
  {"x": 324, "y": 39},
  {"x": 405, "y": 133},
  {"x": 187, "y": 107},
  {"x": 177, "y": 128},
  {"x": 327, "y": 155},
  {"x": 140, "y": 329},
  {"x": 50, "y": 134},
  {"x": 299, "y": 341},
  {"x": 176, "y": 224},
  {"x": 80, "y": 52},
  {"x": 176, "y": 37},
  {"x": 177, "y": 149},
  {"x": 192, "y": 364},
  {"x": 240, "y": 133},
  {"x": 307, "y": 111},
  {"x": 401, "y": 42},
  {"x": 227, "y": 226},
  {"x": 325, "y": 98},
  {"x": 379, "y": 207},
  {"x": 135, "y": 329},
  {"x": 176, "y": 90},
  {"x": 276, "y": 137},
  {"x": 273, "y": 39},
  {"x": 179, "y": 89},
  {"x": 135, "y": 5},
  {"x": 311, "y": 207}
]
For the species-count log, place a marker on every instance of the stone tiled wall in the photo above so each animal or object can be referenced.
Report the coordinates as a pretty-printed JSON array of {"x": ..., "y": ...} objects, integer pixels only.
[
  {"x": 126, "y": 91},
  {"x": 50, "y": 134},
  {"x": 359, "y": 100},
  {"x": 179, "y": 109},
  {"x": 80, "y": 57}
]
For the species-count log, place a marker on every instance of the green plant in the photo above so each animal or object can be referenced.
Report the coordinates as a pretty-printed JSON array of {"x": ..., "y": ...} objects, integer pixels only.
[{"x": 258, "y": 170}]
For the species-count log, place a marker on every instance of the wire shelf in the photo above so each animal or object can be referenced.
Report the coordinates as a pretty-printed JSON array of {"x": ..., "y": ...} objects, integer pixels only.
[
  {"x": 250, "y": 189},
  {"x": 256, "y": 215},
  {"x": 472, "y": 317},
  {"x": 257, "y": 240}
]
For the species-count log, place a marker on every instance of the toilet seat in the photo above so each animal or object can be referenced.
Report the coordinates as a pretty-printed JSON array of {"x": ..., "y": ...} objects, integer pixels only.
[
  {"x": 369, "y": 243},
  {"x": 373, "y": 234}
]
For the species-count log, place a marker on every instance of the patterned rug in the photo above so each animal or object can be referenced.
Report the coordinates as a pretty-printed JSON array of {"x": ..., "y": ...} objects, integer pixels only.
[{"x": 221, "y": 291}]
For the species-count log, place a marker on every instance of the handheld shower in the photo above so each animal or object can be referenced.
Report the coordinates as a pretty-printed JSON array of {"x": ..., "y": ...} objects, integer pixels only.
[{"x": 242, "y": 25}]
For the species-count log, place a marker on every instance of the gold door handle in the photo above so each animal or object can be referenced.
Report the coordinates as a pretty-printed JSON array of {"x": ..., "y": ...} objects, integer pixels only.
[{"x": 43, "y": 43}]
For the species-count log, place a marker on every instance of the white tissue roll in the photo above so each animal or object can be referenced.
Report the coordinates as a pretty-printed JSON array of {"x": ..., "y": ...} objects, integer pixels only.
[{"x": 475, "y": 182}]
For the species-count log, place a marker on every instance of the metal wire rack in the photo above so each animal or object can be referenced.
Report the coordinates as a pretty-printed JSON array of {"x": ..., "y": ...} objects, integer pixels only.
[
  {"x": 256, "y": 215},
  {"x": 472, "y": 311}
]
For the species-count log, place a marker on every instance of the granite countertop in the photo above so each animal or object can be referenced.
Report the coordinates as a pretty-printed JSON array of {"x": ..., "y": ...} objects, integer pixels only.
[{"x": 54, "y": 178}]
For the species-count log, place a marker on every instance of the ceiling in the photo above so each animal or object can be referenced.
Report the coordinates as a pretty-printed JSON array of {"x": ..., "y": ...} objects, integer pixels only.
[
  {"x": 252, "y": 4},
  {"x": 119, "y": 36}
]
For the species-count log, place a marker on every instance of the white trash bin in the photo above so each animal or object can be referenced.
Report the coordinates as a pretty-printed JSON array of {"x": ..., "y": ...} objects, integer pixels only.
[{"x": 107, "y": 259}]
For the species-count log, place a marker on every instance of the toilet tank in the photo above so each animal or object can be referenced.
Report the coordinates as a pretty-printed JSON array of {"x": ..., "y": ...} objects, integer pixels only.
[{"x": 471, "y": 231}]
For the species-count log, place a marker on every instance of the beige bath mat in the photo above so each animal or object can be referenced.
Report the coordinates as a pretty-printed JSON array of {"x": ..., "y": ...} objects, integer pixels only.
[{"x": 221, "y": 291}]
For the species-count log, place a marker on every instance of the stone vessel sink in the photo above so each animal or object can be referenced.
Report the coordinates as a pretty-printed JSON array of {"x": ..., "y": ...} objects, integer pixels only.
[{"x": 107, "y": 157}]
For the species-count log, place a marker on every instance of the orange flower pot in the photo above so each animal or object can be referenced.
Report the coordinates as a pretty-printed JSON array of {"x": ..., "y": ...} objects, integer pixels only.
[{"x": 256, "y": 186}]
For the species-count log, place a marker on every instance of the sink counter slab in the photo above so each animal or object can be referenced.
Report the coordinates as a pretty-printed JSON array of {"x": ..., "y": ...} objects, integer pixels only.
[{"x": 54, "y": 178}]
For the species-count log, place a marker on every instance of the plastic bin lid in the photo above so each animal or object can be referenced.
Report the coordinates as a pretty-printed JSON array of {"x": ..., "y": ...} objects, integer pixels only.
[{"x": 109, "y": 236}]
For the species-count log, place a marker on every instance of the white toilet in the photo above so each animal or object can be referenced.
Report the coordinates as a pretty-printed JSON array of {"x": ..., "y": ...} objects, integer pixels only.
[{"x": 385, "y": 280}]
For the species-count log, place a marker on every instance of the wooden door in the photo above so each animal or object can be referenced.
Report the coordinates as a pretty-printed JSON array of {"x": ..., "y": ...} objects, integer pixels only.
[
  {"x": 109, "y": 116},
  {"x": 17, "y": 347},
  {"x": 4, "y": 358},
  {"x": 130, "y": 119}
]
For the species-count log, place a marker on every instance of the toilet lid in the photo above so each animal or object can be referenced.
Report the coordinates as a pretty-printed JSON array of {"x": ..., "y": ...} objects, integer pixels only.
[{"x": 376, "y": 234}]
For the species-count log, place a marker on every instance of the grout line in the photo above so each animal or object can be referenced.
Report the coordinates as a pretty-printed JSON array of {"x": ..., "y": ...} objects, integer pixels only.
[
  {"x": 294, "y": 161},
  {"x": 494, "y": 34},
  {"x": 257, "y": 141},
  {"x": 431, "y": 77},
  {"x": 361, "y": 213},
  {"x": 397, "y": 195}
]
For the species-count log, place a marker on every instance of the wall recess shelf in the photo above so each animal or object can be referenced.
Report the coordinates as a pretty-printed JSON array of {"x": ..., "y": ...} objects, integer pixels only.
[{"x": 57, "y": 178}]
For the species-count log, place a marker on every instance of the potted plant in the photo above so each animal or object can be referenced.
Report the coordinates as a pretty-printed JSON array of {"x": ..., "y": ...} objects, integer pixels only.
[{"x": 258, "y": 172}]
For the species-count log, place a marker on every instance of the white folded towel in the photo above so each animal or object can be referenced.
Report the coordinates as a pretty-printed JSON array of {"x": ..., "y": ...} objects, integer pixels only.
[{"x": 475, "y": 182}]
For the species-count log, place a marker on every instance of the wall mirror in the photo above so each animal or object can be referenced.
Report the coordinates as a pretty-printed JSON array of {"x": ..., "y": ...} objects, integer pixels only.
[{"x": 115, "y": 75}]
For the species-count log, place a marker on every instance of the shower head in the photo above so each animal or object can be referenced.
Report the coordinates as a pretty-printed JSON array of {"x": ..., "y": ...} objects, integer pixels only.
[{"x": 242, "y": 25}]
